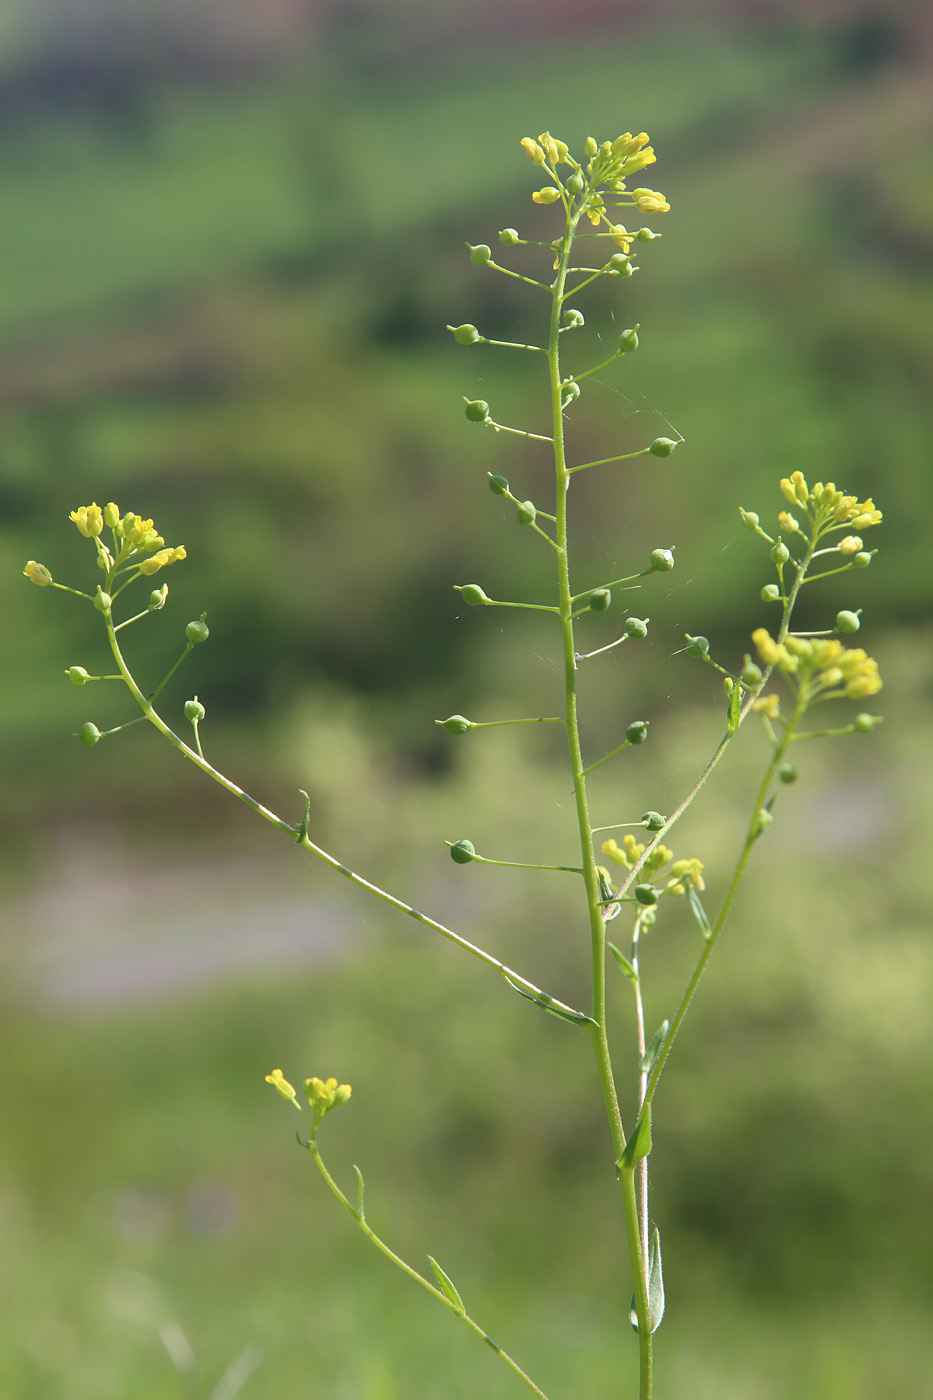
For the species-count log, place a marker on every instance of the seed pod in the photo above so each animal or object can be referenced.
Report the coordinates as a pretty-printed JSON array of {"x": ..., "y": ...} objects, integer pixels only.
[
  {"x": 508, "y": 237},
  {"x": 697, "y": 646},
  {"x": 575, "y": 183},
  {"x": 472, "y": 593},
  {"x": 102, "y": 601},
  {"x": 653, "y": 821},
  {"x": 197, "y": 631},
  {"x": 569, "y": 393},
  {"x": 457, "y": 724},
  {"x": 599, "y": 600},
  {"x": 526, "y": 513},
  {"x": 661, "y": 560},
  {"x": 662, "y": 447},
  {"x": 770, "y": 593},
  {"x": 862, "y": 559},
  {"x": 637, "y": 732},
  {"x": 645, "y": 894},
  {"x": 157, "y": 598},
  {"x": 644, "y": 235},
  {"x": 779, "y": 554},
  {"x": 621, "y": 264},
  {"x": 751, "y": 674},
  {"x": 572, "y": 317},
  {"x": 636, "y": 627},
  {"x": 465, "y": 334},
  {"x": 847, "y": 621},
  {"x": 77, "y": 675},
  {"x": 88, "y": 734},
  {"x": 864, "y": 724},
  {"x": 788, "y": 773},
  {"x": 462, "y": 852},
  {"x": 194, "y": 710},
  {"x": 477, "y": 410},
  {"x": 628, "y": 340},
  {"x": 480, "y": 254},
  {"x": 498, "y": 485},
  {"x": 749, "y": 518}
]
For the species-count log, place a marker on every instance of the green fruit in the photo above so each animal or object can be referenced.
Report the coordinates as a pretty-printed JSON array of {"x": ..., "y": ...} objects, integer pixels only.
[
  {"x": 472, "y": 593},
  {"x": 636, "y": 627},
  {"x": 88, "y": 734},
  {"x": 498, "y": 485},
  {"x": 477, "y": 410},
  {"x": 788, "y": 773},
  {"x": 628, "y": 340},
  {"x": 770, "y": 593},
  {"x": 697, "y": 646},
  {"x": 194, "y": 710},
  {"x": 645, "y": 894},
  {"x": 599, "y": 600},
  {"x": 780, "y": 553},
  {"x": 197, "y": 632},
  {"x": 102, "y": 601},
  {"x": 465, "y": 334},
  {"x": 662, "y": 447},
  {"x": 661, "y": 560},
  {"x": 462, "y": 852},
  {"x": 526, "y": 513},
  {"x": 637, "y": 732},
  {"x": 77, "y": 675},
  {"x": 847, "y": 622},
  {"x": 508, "y": 237},
  {"x": 457, "y": 724},
  {"x": 653, "y": 821},
  {"x": 481, "y": 254}
]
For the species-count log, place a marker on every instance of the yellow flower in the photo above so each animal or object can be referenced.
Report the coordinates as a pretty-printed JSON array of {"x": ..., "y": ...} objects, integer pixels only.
[
  {"x": 37, "y": 573},
  {"x": 683, "y": 873},
  {"x": 850, "y": 545},
  {"x": 650, "y": 201},
  {"x": 533, "y": 151},
  {"x": 165, "y": 556},
  {"x": 622, "y": 237},
  {"x": 279, "y": 1082},
  {"x": 89, "y": 520},
  {"x": 768, "y": 705},
  {"x": 546, "y": 196},
  {"x": 323, "y": 1095},
  {"x": 788, "y": 521},
  {"x": 111, "y": 515},
  {"x": 771, "y": 652},
  {"x": 556, "y": 150}
]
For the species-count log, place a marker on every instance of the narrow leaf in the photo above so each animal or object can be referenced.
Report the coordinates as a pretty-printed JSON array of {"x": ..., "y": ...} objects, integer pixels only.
[
  {"x": 655, "y": 1288},
  {"x": 646, "y": 1064},
  {"x": 732, "y": 721},
  {"x": 360, "y": 1213},
  {"x": 639, "y": 1144},
  {"x": 555, "y": 1008},
  {"x": 625, "y": 965},
  {"x": 699, "y": 913},
  {"x": 611, "y": 910},
  {"x": 450, "y": 1293}
]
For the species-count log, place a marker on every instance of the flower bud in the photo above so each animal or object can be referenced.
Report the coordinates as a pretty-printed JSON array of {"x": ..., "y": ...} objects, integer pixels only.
[
  {"x": 111, "y": 515},
  {"x": 465, "y": 334},
  {"x": 472, "y": 593},
  {"x": 575, "y": 183},
  {"x": 862, "y": 559},
  {"x": 573, "y": 317},
  {"x": 636, "y": 627},
  {"x": 697, "y": 646},
  {"x": 788, "y": 773},
  {"x": 533, "y": 151},
  {"x": 653, "y": 821},
  {"x": 281, "y": 1085},
  {"x": 662, "y": 447},
  {"x": 477, "y": 410},
  {"x": 728, "y": 685},
  {"x": 197, "y": 632},
  {"x": 88, "y": 734},
  {"x": 599, "y": 600},
  {"x": 645, "y": 894},
  {"x": 637, "y": 732},
  {"x": 37, "y": 573},
  {"x": 751, "y": 674},
  {"x": 157, "y": 598},
  {"x": 847, "y": 621},
  {"x": 591, "y": 146},
  {"x": 508, "y": 237},
  {"x": 77, "y": 675},
  {"x": 547, "y": 195},
  {"x": 498, "y": 485},
  {"x": 526, "y": 513},
  {"x": 462, "y": 852},
  {"x": 780, "y": 553},
  {"x": 770, "y": 593},
  {"x": 749, "y": 519},
  {"x": 102, "y": 601},
  {"x": 456, "y": 724},
  {"x": 850, "y": 545},
  {"x": 628, "y": 340},
  {"x": 194, "y": 710},
  {"x": 480, "y": 254},
  {"x": 661, "y": 560},
  {"x": 864, "y": 724}
]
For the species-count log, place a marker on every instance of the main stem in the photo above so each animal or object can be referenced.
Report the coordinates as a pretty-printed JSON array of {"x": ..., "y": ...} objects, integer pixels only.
[{"x": 598, "y": 1031}]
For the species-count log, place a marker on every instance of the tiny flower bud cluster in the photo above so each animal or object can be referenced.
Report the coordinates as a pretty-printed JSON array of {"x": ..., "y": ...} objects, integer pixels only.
[
  {"x": 824, "y": 664},
  {"x": 681, "y": 874},
  {"x": 829, "y": 507}
]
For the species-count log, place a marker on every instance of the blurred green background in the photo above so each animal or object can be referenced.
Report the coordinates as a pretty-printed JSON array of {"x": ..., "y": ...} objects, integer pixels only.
[{"x": 232, "y": 236}]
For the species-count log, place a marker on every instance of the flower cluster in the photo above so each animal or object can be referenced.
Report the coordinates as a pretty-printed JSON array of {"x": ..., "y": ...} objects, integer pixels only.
[
  {"x": 608, "y": 167},
  {"x": 681, "y": 873},
  {"x": 826, "y": 667},
  {"x": 322, "y": 1095},
  {"x": 132, "y": 537},
  {"x": 827, "y": 507}
]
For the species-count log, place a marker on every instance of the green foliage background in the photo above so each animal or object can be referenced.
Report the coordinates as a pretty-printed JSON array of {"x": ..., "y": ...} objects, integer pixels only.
[{"x": 223, "y": 304}]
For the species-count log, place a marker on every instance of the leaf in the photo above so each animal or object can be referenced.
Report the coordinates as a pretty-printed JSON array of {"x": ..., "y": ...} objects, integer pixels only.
[
  {"x": 699, "y": 913},
  {"x": 648, "y": 1059},
  {"x": 450, "y": 1293},
  {"x": 732, "y": 720},
  {"x": 625, "y": 965},
  {"x": 639, "y": 1144},
  {"x": 360, "y": 1213},
  {"x": 611, "y": 907},
  {"x": 655, "y": 1288},
  {"x": 555, "y": 1008}
]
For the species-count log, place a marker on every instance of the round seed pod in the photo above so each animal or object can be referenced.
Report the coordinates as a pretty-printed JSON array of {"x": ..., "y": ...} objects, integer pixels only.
[
  {"x": 636, "y": 627},
  {"x": 526, "y": 513},
  {"x": 472, "y": 593},
  {"x": 599, "y": 600},
  {"x": 465, "y": 334},
  {"x": 661, "y": 560},
  {"x": 864, "y": 724},
  {"x": 697, "y": 646},
  {"x": 575, "y": 183},
  {"x": 157, "y": 598},
  {"x": 197, "y": 631},
  {"x": 572, "y": 317},
  {"x": 462, "y": 852},
  {"x": 770, "y": 593},
  {"x": 620, "y": 264},
  {"x": 644, "y": 235},
  {"x": 749, "y": 518},
  {"x": 194, "y": 710},
  {"x": 77, "y": 675},
  {"x": 645, "y": 894},
  {"x": 508, "y": 237},
  {"x": 88, "y": 734},
  {"x": 862, "y": 559},
  {"x": 457, "y": 724},
  {"x": 498, "y": 485},
  {"x": 628, "y": 340},
  {"x": 637, "y": 732},
  {"x": 480, "y": 254},
  {"x": 780, "y": 553},
  {"x": 102, "y": 601},
  {"x": 662, "y": 447},
  {"x": 788, "y": 773},
  {"x": 477, "y": 410},
  {"x": 751, "y": 674},
  {"x": 847, "y": 622},
  {"x": 653, "y": 821}
]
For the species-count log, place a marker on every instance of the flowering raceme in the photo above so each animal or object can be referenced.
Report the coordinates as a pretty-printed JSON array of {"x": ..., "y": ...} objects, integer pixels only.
[{"x": 822, "y": 665}]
